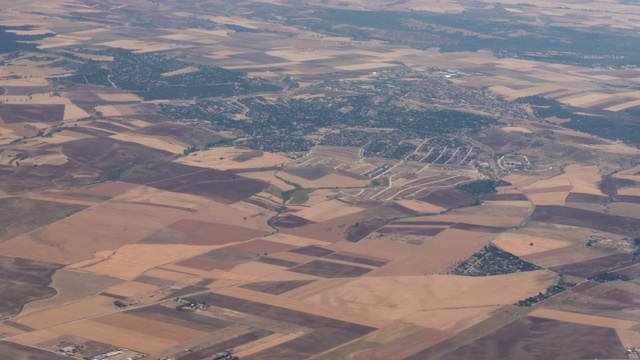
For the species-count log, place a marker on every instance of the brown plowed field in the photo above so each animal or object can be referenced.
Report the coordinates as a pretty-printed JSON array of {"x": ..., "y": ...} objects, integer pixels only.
[
  {"x": 357, "y": 233},
  {"x": 307, "y": 345},
  {"x": 206, "y": 233},
  {"x": 217, "y": 185},
  {"x": 23, "y": 281},
  {"x": 587, "y": 219},
  {"x": 330, "y": 269},
  {"x": 592, "y": 267},
  {"x": 13, "y": 113},
  {"x": 281, "y": 314},
  {"x": 537, "y": 338},
  {"x": 448, "y": 198},
  {"x": 276, "y": 287},
  {"x": 21, "y": 215},
  {"x": 312, "y": 251},
  {"x": 587, "y": 198},
  {"x": 182, "y": 318},
  {"x": 13, "y": 351},
  {"x": 278, "y": 262},
  {"x": 105, "y": 154},
  {"x": 632, "y": 271}
]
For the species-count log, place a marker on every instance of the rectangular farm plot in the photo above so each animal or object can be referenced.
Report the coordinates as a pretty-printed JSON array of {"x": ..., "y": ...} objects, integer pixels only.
[
  {"x": 276, "y": 287},
  {"x": 180, "y": 318},
  {"x": 13, "y": 351},
  {"x": 592, "y": 267},
  {"x": 330, "y": 269},
  {"x": 150, "y": 327},
  {"x": 216, "y": 185},
  {"x": 312, "y": 251},
  {"x": 13, "y": 113},
  {"x": 209, "y": 233},
  {"x": 281, "y": 314}
]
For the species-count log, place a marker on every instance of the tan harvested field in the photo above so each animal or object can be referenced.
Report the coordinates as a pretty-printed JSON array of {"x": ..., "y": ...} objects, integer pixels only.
[
  {"x": 119, "y": 336},
  {"x": 400, "y": 297},
  {"x": 420, "y": 206},
  {"x": 132, "y": 260},
  {"x": 152, "y": 142},
  {"x": 99, "y": 228},
  {"x": 236, "y": 214},
  {"x": 328, "y": 210},
  {"x": 520, "y": 244},
  {"x": 153, "y": 196},
  {"x": 629, "y": 338},
  {"x": 321, "y": 309},
  {"x": 516, "y": 129},
  {"x": 128, "y": 289},
  {"x": 583, "y": 319},
  {"x": 68, "y": 313},
  {"x": 257, "y": 270},
  {"x": 222, "y": 158},
  {"x": 71, "y": 286},
  {"x": 437, "y": 254},
  {"x": 150, "y": 327}
]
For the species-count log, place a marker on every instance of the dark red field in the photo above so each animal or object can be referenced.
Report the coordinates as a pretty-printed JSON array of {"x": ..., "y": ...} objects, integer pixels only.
[
  {"x": 13, "y": 113},
  {"x": 362, "y": 230},
  {"x": 291, "y": 222},
  {"x": 21, "y": 215},
  {"x": 587, "y": 198},
  {"x": 23, "y": 281},
  {"x": 592, "y": 267},
  {"x": 276, "y": 287},
  {"x": 535, "y": 338},
  {"x": 277, "y": 262},
  {"x": 449, "y": 198},
  {"x": 330, "y": 269},
  {"x": 588, "y": 219},
  {"x": 216, "y": 185},
  {"x": 312, "y": 251},
  {"x": 105, "y": 154},
  {"x": 402, "y": 209},
  {"x": 13, "y": 351}
]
